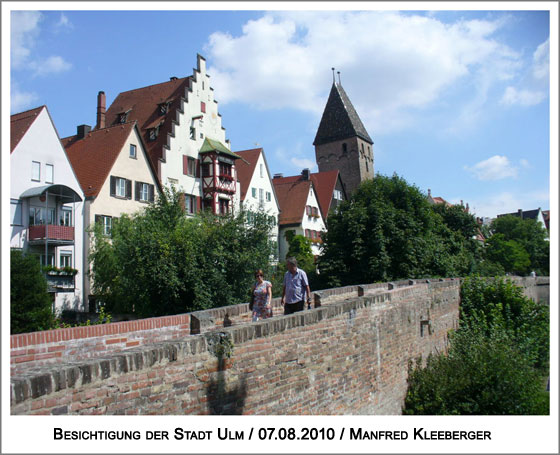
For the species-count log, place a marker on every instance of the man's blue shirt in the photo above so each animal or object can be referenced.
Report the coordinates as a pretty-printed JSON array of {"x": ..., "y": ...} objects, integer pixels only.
[{"x": 296, "y": 286}]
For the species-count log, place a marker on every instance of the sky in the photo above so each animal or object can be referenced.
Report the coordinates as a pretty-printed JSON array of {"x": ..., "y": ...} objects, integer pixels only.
[{"x": 456, "y": 101}]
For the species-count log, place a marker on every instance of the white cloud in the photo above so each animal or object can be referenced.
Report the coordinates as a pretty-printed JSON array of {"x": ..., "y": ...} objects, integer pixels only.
[
  {"x": 283, "y": 60},
  {"x": 522, "y": 97},
  {"x": 64, "y": 22},
  {"x": 533, "y": 88},
  {"x": 20, "y": 100},
  {"x": 303, "y": 163},
  {"x": 51, "y": 65},
  {"x": 25, "y": 31},
  {"x": 494, "y": 168},
  {"x": 509, "y": 202}
]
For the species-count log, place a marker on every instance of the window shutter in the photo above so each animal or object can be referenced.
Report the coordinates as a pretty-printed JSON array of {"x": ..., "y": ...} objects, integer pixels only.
[
  {"x": 136, "y": 191},
  {"x": 185, "y": 164},
  {"x": 151, "y": 193},
  {"x": 112, "y": 185},
  {"x": 129, "y": 189}
]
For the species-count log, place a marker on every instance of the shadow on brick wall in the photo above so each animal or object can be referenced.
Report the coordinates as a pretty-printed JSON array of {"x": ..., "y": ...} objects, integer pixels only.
[{"x": 222, "y": 401}]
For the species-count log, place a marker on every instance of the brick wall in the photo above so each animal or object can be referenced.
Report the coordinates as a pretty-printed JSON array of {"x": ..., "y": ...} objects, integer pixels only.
[{"x": 348, "y": 356}]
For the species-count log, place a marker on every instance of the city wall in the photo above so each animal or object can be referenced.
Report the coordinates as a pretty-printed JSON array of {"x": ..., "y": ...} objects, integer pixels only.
[{"x": 348, "y": 355}]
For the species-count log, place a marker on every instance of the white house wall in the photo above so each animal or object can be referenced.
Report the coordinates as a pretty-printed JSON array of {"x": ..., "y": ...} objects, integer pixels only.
[
  {"x": 210, "y": 125},
  {"x": 314, "y": 224},
  {"x": 42, "y": 144}
]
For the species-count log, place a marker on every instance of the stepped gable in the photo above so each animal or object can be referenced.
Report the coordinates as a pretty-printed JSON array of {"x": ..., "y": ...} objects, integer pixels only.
[
  {"x": 143, "y": 105},
  {"x": 20, "y": 123},
  {"x": 340, "y": 120},
  {"x": 291, "y": 193},
  {"x": 246, "y": 168},
  {"x": 93, "y": 156}
]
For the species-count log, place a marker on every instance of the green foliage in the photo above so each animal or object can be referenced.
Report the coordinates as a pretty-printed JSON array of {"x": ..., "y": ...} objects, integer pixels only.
[
  {"x": 300, "y": 248},
  {"x": 159, "y": 261},
  {"x": 481, "y": 376},
  {"x": 388, "y": 230},
  {"x": 519, "y": 245},
  {"x": 498, "y": 304},
  {"x": 30, "y": 304},
  {"x": 496, "y": 358}
]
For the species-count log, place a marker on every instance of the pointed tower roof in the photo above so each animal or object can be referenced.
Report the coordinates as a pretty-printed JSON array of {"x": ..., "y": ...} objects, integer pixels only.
[{"x": 340, "y": 120}]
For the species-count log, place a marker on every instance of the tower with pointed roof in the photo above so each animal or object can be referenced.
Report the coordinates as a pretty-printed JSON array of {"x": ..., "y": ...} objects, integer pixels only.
[{"x": 342, "y": 142}]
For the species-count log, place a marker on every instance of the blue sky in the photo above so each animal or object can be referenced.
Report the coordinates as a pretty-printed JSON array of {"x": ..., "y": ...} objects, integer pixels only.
[{"x": 455, "y": 101}]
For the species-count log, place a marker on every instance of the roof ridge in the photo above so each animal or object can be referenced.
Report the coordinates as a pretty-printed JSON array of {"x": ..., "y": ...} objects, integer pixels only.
[
  {"x": 19, "y": 115},
  {"x": 153, "y": 85}
]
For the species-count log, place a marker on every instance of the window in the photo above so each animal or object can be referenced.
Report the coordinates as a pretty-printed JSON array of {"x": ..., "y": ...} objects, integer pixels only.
[
  {"x": 35, "y": 216},
  {"x": 224, "y": 206},
  {"x": 106, "y": 223},
  {"x": 261, "y": 167},
  {"x": 268, "y": 196},
  {"x": 191, "y": 169},
  {"x": 144, "y": 192},
  {"x": 50, "y": 217},
  {"x": 254, "y": 193},
  {"x": 315, "y": 212},
  {"x": 203, "y": 106},
  {"x": 49, "y": 173},
  {"x": 35, "y": 171},
  {"x": 132, "y": 151},
  {"x": 367, "y": 167},
  {"x": 337, "y": 194},
  {"x": 123, "y": 117},
  {"x": 308, "y": 210},
  {"x": 121, "y": 187},
  {"x": 261, "y": 195},
  {"x": 163, "y": 108},
  {"x": 205, "y": 168},
  {"x": 65, "y": 259},
  {"x": 47, "y": 260},
  {"x": 192, "y": 134},
  {"x": 66, "y": 218},
  {"x": 308, "y": 233},
  {"x": 190, "y": 204},
  {"x": 225, "y": 169},
  {"x": 153, "y": 133},
  {"x": 16, "y": 213}
]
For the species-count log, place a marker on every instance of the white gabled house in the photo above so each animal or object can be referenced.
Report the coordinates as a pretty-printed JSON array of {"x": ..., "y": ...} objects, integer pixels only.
[
  {"x": 300, "y": 211},
  {"x": 257, "y": 190},
  {"x": 47, "y": 206}
]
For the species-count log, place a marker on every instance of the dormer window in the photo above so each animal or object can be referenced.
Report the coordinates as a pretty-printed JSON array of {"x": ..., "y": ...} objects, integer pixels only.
[
  {"x": 153, "y": 133},
  {"x": 123, "y": 116},
  {"x": 163, "y": 108}
]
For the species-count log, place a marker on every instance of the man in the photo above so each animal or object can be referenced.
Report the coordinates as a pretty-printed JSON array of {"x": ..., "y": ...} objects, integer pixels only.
[{"x": 296, "y": 287}]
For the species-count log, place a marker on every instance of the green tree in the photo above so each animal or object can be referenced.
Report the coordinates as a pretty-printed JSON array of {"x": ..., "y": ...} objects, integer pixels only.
[
  {"x": 510, "y": 254},
  {"x": 388, "y": 230},
  {"x": 160, "y": 261},
  {"x": 530, "y": 235},
  {"x": 30, "y": 304}
]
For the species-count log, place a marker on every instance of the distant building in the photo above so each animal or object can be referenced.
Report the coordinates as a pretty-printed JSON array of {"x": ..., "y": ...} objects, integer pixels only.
[
  {"x": 47, "y": 205},
  {"x": 342, "y": 142},
  {"x": 115, "y": 174},
  {"x": 299, "y": 211},
  {"x": 536, "y": 214},
  {"x": 257, "y": 191}
]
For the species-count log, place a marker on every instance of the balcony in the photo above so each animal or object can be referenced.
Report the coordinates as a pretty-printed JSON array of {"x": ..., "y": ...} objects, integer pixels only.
[
  {"x": 54, "y": 234},
  {"x": 59, "y": 282}
]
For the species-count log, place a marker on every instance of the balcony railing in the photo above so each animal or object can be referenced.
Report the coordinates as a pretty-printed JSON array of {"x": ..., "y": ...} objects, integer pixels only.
[
  {"x": 60, "y": 283},
  {"x": 53, "y": 233}
]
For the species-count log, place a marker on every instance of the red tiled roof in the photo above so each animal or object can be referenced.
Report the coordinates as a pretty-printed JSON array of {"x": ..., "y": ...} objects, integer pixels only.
[
  {"x": 142, "y": 105},
  {"x": 440, "y": 200},
  {"x": 20, "y": 123},
  {"x": 246, "y": 167},
  {"x": 93, "y": 156},
  {"x": 324, "y": 184},
  {"x": 292, "y": 193}
]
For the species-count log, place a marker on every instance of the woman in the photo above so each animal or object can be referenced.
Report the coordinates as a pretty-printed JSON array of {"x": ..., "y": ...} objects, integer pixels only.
[{"x": 262, "y": 297}]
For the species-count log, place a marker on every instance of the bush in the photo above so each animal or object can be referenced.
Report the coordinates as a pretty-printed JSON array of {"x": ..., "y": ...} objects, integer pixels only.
[
  {"x": 481, "y": 375},
  {"x": 30, "y": 303}
]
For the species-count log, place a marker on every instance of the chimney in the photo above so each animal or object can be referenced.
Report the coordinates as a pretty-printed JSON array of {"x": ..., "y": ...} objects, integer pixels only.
[
  {"x": 305, "y": 174},
  {"x": 100, "y": 111},
  {"x": 278, "y": 176},
  {"x": 83, "y": 130}
]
